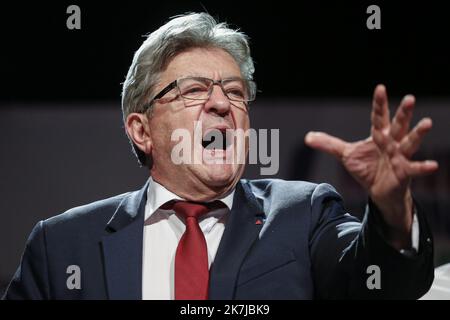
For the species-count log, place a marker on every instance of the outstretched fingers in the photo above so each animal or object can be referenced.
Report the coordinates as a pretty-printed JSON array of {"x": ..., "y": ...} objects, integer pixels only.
[
  {"x": 420, "y": 168},
  {"x": 380, "y": 117},
  {"x": 327, "y": 143},
  {"x": 380, "y": 108},
  {"x": 402, "y": 118},
  {"x": 411, "y": 142}
]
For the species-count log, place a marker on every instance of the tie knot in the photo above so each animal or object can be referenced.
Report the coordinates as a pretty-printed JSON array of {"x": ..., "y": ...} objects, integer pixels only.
[{"x": 190, "y": 209}]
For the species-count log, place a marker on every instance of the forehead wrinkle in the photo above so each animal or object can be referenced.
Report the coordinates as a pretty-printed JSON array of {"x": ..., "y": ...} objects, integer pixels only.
[{"x": 196, "y": 63}]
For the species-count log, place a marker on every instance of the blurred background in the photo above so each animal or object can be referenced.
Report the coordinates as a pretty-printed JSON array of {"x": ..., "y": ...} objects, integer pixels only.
[{"x": 62, "y": 139}]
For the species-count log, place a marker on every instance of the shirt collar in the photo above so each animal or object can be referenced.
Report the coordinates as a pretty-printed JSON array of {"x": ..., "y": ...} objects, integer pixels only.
[{"x": 157, "y": 195}]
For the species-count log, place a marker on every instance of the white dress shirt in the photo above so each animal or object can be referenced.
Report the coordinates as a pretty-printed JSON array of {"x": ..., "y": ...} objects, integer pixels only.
[{"x": 162, "y": 232}]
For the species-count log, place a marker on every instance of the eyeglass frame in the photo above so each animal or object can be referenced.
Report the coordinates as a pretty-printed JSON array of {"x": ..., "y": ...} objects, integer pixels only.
[{"x": 174, "y": 84}]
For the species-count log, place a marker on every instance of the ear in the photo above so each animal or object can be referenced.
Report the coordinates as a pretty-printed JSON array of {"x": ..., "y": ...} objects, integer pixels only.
[{"x": 138, "y": 130}]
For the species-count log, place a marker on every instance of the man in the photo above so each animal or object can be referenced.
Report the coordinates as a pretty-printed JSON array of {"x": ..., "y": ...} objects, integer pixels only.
[{"x": 195, "y": 230}]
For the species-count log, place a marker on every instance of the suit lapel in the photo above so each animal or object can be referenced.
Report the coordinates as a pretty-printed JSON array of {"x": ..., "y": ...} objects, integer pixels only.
[
  {"x": 240, "y": 233},
  {"x": 122, "y": 247}
]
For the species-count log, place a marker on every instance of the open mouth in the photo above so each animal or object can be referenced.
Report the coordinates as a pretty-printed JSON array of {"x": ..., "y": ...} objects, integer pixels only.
[{"x": 217, "y": 139}]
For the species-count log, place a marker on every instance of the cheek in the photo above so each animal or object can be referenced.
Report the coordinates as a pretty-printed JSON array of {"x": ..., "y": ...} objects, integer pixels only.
[
  {"x": 166, "y": 125},
  {"x": 242, "y": 120},
  {"x": 160, "y": 134}
]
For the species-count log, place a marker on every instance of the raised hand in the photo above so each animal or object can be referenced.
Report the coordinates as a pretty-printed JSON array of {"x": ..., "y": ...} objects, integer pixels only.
[{"x": 382, "y": 163}]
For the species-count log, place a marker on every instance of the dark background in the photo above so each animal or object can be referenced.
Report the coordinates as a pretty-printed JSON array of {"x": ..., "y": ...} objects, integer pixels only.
[
  {"x": 62, "y": 141},
  {"x": 312, "y": 48}
]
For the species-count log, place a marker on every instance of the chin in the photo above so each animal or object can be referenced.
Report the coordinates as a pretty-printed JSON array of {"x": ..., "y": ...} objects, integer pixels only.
[{"x": 219, "y": 174}]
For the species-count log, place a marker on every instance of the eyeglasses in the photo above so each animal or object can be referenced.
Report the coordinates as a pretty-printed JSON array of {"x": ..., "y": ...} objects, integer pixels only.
[{"x": 199, "y": 88}]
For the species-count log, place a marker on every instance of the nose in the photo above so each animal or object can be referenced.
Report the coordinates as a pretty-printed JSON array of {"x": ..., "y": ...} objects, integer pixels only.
[{"x": 218, "y": 101}]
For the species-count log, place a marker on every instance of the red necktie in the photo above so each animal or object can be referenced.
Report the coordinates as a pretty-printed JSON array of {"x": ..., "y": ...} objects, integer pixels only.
[{"x": 191, "y": 259}]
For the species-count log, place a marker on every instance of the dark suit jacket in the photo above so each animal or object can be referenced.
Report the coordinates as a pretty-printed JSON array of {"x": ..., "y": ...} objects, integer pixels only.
[{"x": 306, "y": 247}]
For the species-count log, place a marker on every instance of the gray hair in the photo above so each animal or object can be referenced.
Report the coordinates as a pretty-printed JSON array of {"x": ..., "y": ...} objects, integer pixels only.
[{"x": 181, "y": 33}]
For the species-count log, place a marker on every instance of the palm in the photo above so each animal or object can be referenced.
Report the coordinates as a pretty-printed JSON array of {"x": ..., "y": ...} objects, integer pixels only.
[{"x": 372, "y": 168}]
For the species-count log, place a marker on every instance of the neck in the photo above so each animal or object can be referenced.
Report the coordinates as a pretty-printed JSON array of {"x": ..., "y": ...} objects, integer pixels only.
[{"x": 198, "y": 191}]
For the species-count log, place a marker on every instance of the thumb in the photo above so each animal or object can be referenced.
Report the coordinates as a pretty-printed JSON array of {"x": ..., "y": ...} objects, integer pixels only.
[{"x": 326, "y": 143}]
